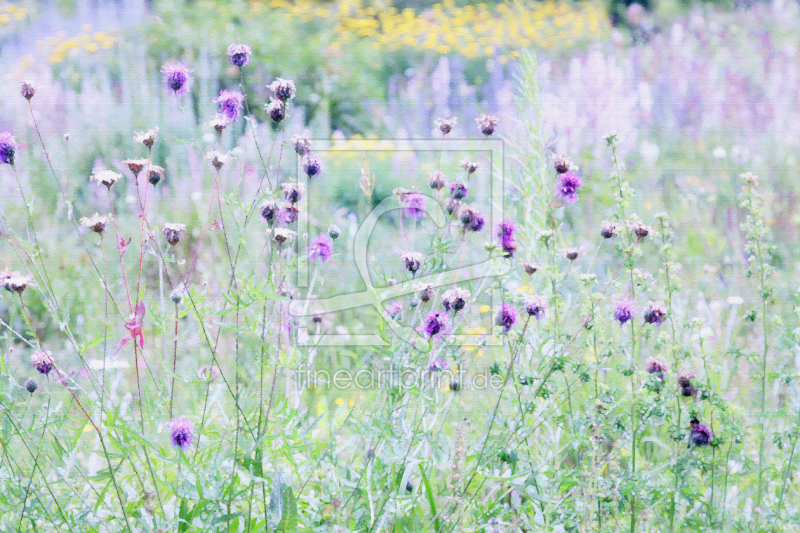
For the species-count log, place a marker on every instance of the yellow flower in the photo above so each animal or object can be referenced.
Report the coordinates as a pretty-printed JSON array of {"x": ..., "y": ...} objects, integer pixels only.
[
  {"x": 339, "y": 401},
  {"x": 485, "y": 308}
]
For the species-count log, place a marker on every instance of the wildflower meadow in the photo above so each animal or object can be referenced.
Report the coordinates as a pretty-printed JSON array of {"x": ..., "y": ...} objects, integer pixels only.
[{"x": 355, "y": 267}]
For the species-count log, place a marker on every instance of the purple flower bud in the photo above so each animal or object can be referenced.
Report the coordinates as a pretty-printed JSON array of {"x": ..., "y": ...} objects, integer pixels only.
[
  {"x": 446, "y": 125},
  {"x": 181, "y": 433},
  {"x": 658, "y": 367},
  {"x": 458, "y": 191},
  {"x": 269, "y": 210},
  {"x": 312, "y": 164},
  {"x": 437, "y": 180},
  {"x": 487, "y": 123},
  {"x": 506, "y": 317},
  {"x": 293, "y": 191},
  {"x": 608, "y": 229},
  {"x": 413, "y": 261},
  {"x": 562, "y": 164},
  {"x": 455, "y": 299},
  {"x": 685, "y": 384},
  {"x": 178, "y": 77},
  {"x": 8, "y": 148},
  {"x": 471, "y": 219},
  {"x": 43, "y": 362},
  {"x": 239, "y": 55},
  {"x": 27, "y": 90},
  {"x": 276, "y": 110}
]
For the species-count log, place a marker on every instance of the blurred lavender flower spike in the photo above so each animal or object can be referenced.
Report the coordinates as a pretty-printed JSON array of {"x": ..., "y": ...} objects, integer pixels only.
[
  {"x": 178, "y": 77},
  {"x": 230, "y": 103},
  {"x": 239, "y": 55}
]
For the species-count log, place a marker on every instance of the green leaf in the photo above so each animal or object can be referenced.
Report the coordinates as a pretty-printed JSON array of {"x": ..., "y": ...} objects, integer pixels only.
[
  {"x": 431, "y": 500},
  {"x": 288, "y": 523}
]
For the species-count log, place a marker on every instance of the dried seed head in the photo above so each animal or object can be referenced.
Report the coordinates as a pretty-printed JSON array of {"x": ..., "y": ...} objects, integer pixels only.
[
  {"x": 219, "y": 122},
  {"x": 173, "y": 232},
  {"x": 293, "y": 191},
  {"x": 413, "y": 261},
  {"x": 608, "y": 229},
  {"x": 470, "y": 166},
  {"x": 455, "y": 299},
  {"x": 276, "y": 109},
  {"x": 571, "y": 253},
  {"x": 531, "y": 268},
  {"x": 136, "y": 165},
  {"x": 270, "y": 210},
  {"x": 301, "y": 143},
  {"x": 334, "y": 231},
  {"x": 147, "y": 138},
  {"x": 13, "y": 281},
  {"x": 281, "y": 235},
  {"x": 106, "y": 177},
  {"x": 217, "y": 159},
  {"x": 97, "y": 222}
]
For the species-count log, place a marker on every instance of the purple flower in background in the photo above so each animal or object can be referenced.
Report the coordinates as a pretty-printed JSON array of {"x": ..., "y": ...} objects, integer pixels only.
[
  {"x": 535, "y": 306},
  {"x": 181, "y": 433},
  {"x": 413, "y": 205},
  {"x": 43, "y": 362},
  {"x": 434, "y": 323},
  {"x": 321, "y": 248},
  {"x": 8, "y": 147},
  {"x": 700, "y": 435},
  {"x": 312, "y": 164},
  {"x": 569, "y": 184},
  {"x": 656, "y": 313},
  {"x": 239, "y": 55},
  {"x": 178, "y": 77},
  {"x": 505, "y": 231},
  {"x": 288, "y": 213},
  {"x": 623, "y": 311},
  {"x": 657, "y": 367},
  {"x": 394, "y": 308},
  {"x": 506, "y": 317},
  {"x": 230, "y": 103}
]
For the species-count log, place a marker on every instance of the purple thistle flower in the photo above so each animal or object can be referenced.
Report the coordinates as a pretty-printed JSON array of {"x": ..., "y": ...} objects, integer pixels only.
[
  {"x": 43, "y": 362},
  {"x": 435, "y": 322},
  {"x": 656, "y": 313},
  {"x": 506, "y": 317},
  {"x": 413, "y": 205},
  {"x": 455, "y": 299},
  {"x": 437, "y": 180},
  {"x": 487, "y": 123},
  {"x": 239, "y": 55},
  {"x": 458, "y": 190},
  {"x": 505, "y": 231},
  {"x": 230, "y": 103},
  {"x": 284, "y": 89},
  {"x": 394, "y": 308},
  {"x": 321, "y": 248},
  {"x": 471, "y": 219},
  {"x": 436, "y": 364},
  {"x": 569, "y": 184},
  {"x": 270, "y": 210},
  {"x": 288, "y": 213},
  {"x": 276, "y": 110},
  {"x": 685, "y": 378},
  {"x": 700, "y": 435},
  {"x": 413, "y": 261},
  {"x": 8, "y": 148},
  {"x": 181, "y": 433},
  {"x": 302, "y": 143},
  {"x": 293, "y": 191},
  {"x": 623, "y": 311},
  {"x": 658, "y": 367},
  {"x": 608, "y": 229},
  {"x": 178, "y": 77},
  {"x": 312, "y": 164},
  {"x": 535, "y": 306}
]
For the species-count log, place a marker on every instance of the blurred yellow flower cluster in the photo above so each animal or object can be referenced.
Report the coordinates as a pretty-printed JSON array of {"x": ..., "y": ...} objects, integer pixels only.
[
  {"x": 12, "y": 12},
  {"x": 472, "y": 31},
  {"x": 60, "y": 48}
]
